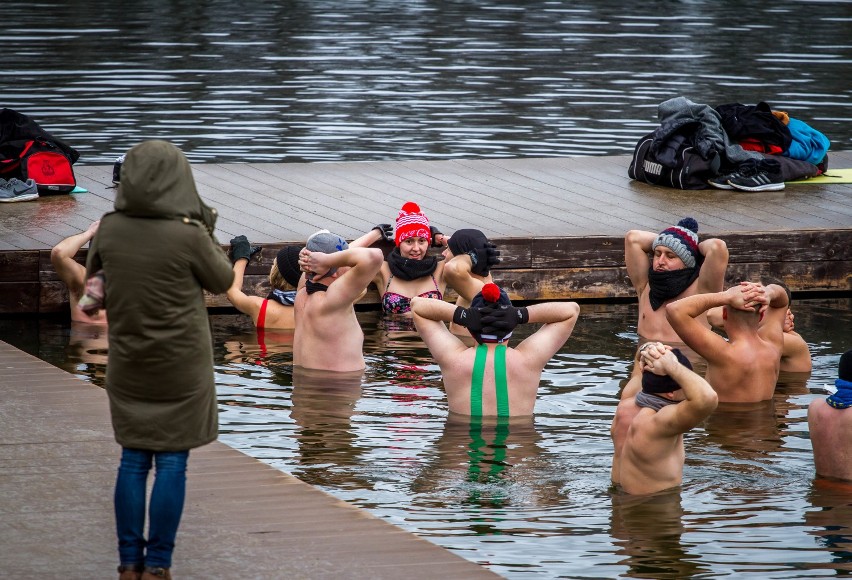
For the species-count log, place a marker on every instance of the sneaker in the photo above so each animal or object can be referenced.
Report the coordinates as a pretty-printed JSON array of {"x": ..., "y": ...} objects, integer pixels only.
[
  {"x": 17, "y": 190},
  {"x": 721, "y": 181},
  {"x": 760, "y": 181}
]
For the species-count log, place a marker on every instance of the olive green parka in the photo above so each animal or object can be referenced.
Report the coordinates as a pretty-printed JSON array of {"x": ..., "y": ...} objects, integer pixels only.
[{"x": 157, "y": 252}]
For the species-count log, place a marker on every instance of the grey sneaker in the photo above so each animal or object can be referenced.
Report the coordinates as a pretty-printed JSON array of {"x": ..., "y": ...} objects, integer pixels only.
[
  {"x": 760, "y": 181},
  {"x": 17, "y": 190}
]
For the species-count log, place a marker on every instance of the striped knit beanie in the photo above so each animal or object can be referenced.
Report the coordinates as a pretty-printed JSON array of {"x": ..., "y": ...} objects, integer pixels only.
[
  {"x": 410, "y": 223},
  {"x": 681, "y": 239}
]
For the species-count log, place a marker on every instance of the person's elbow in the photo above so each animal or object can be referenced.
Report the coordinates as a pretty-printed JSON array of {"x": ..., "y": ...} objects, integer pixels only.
[
  {"x": 572, "y": 310},
  {"x": 374, "y": 258},
  {"x": 633, "y": 237},
  {"x": 453, "y": 269},
  {"x": 638, "y": 238},
  {"x": 673, "y": 312},
  {"x": 57, "y": 254},
  {"x": 716, "y": 248},
  {"x": 707, "y": 399}
]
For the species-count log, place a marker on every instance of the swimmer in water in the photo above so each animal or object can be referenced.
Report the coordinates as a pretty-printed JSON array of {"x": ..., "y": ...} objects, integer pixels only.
[
  {"x": 648, "y": 441},
  {"x": 328, "y": 335},
  {"x": 492, "y": 379}
]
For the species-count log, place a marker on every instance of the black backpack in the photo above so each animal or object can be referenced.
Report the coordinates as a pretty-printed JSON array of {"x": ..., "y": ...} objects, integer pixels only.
[{"x": 681, "y": 166}]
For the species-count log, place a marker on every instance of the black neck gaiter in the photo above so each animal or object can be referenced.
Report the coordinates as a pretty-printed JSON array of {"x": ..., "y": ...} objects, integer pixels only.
[
  {"x": 667, "y": 285},
  {"x": 406, "y": 269}
]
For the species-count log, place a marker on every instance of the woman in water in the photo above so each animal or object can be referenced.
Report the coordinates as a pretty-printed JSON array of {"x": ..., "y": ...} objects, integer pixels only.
[
  {"x": 276, "y": 310},
  {"x": 408, "y": 271}
]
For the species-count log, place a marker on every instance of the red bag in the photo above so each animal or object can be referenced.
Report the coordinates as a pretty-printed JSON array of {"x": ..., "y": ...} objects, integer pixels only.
[{"x": 50, "y": 169}]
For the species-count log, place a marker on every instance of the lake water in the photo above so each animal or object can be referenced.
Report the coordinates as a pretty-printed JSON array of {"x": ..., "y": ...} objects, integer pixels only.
[
  {"x": 359, "y": 80},
  {"x": 370, "y": 80},
  {"x": 531, "y": 500}
]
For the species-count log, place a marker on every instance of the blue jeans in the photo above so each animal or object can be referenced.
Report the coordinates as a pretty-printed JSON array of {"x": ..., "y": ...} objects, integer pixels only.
[{"x": 167, "y": 497}]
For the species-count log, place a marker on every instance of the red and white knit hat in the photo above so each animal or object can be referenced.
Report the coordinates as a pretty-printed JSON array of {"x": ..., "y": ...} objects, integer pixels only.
[{"x": 410, "y": 223}]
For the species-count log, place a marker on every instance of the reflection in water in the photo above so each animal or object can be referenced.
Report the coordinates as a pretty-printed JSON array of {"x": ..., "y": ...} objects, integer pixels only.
[
  {"x": 368, "y": 80},
  {"x": 532, "y": 500},
  {"x": 323, "y": 403},
  {"x": 259, "y": 348},
  {"x": 748, "y": 432},
  {"x": 87, "y": 351},
  {"x": 490, "y": 464},
  {"x": 647, "y": 530},
  {"x": 831, "y": 518}
]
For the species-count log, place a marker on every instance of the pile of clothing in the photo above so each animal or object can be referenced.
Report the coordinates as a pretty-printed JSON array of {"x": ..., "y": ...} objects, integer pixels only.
[{"x": 745, "y": 147}]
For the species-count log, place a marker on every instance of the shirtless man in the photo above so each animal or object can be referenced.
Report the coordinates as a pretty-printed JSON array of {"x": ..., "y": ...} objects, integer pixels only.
[
  {"x": 492, "y": 379},
  {"x": 648, "y": 452},
  {"x": 680, "y": 266},
  {"x": 743, "y": 369},
  {"x": 73, "y": 274},
  {"x": 328, "y": 335},
  {"x": 795, "y": 354},
  {"x": 830, "y": 426}
]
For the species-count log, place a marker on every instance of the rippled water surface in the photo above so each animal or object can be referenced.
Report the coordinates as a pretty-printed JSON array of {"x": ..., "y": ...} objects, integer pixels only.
[
  {"x": 532, "y": 500},
  {"x": 356, "y": 80}
]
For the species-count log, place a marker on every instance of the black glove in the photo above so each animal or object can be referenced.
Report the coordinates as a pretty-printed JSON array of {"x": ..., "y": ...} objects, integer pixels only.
[
  {"x": 435, "y": 232},
  {"x": 503, "y": 318},
  {"x": 240, "y": 248},
  {"x": 386, "y": 231},
  {"x": 483, "y": 259},
  {"x": 469, "y": 318}
]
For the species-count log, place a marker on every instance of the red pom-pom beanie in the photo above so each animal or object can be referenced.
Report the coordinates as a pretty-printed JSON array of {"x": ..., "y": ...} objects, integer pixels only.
[{"x": 410, "y": 223}]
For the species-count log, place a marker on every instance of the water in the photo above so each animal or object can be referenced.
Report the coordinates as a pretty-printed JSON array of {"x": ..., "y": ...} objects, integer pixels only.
[
  {"x": 533, "y": 500},
  {"x": 363, "y": 80}
]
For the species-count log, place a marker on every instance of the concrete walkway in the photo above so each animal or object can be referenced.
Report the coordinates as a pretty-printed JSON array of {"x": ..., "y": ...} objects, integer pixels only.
[{"x": 243, "y": 519}]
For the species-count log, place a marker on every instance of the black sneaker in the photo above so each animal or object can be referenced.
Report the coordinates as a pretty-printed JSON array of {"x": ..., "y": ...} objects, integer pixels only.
[
  {"x": 760, "y": 181},
  {"x": 721, "y": 181}
]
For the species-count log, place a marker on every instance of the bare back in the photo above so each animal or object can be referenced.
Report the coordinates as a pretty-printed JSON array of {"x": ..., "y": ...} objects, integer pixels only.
[
  {"x": 327, "y": 336},
  {"x": 831, "y": 437},
  {"x": 745, "y": 370},
  {"x": 522, "y": 380},
  {"x": 650, "y": 461}
]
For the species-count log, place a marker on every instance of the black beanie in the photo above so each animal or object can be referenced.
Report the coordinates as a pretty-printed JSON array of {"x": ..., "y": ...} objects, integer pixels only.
[
  {"x": 287, "y": 261},
  {"x": 463, "y": 241},
  {"x": 653, "y": 383}
]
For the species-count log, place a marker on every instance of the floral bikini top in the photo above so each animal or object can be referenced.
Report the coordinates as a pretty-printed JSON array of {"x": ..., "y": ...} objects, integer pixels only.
[{"x": 393, "y": 303}]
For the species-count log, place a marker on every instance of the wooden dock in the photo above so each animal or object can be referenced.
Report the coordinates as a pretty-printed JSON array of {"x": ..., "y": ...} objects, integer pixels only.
[
  {"x": 243, "y": 518},
  {"x": 559, "y": 222}
]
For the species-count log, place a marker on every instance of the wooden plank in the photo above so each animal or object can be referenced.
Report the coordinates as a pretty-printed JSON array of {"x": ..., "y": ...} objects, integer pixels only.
[
  {"x": 593, "y": 251},
  {"x": 18, "y": 266},
  {"x": 798, "y": 276},
  {"x": 789, "y": 246},
  {"x": 53, "y": 297},
  {"x": 19, "y": 297},
  {"x": 588, "y": 268}
]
